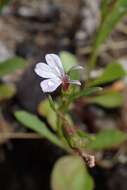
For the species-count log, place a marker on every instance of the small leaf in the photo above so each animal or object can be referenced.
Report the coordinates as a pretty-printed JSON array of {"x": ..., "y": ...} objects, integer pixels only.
[
  {"x": 107, "y": 139},
  {"x": 45, "y": 110},
  {"x": 11, "y": 65},
  {"x": 7, "y": 91},
  {"x": 70, "y": 173},
  {"x": 33, "y": 122},
  {"x": 69, "y": 60},
  {"x": 109, "y": 100},
  {"x": 113, "y": 71}
]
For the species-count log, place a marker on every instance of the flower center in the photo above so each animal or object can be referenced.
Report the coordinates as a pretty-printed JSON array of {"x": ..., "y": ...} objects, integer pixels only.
[{"x": 65, "y": 82}]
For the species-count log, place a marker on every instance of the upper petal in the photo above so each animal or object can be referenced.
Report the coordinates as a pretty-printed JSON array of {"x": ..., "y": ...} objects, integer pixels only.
[
  {"x": 50, "y": 85},
  {"x": 43, "y": 70},
  {"x": 75, "y": 82},
  {"x": 77, "y": 67},
  {"x": 55, "y": 64}
]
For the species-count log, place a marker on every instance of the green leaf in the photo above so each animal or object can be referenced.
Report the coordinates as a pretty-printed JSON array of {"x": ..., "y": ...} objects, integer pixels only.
[
  {"x": 33, "y": 122},
  {"x": 107, "y": 139},
  {"x": 106, "y": 6},
  {"x": 68, "y": 61},
  {"x": 85, "y": 92},
  {"x": 11, "y": 65},
  {"x": 113, "y": 71},
  {"x": 7, "y": 91},
  {"x": 110, "y": 17},
  {"x": 113, "y": 17},
  {"x": 45, "y": 110},
  {"x": 70, "y": 173},
  {"x": 105, "y": 3},
  {"x": 110, "y": 99}
]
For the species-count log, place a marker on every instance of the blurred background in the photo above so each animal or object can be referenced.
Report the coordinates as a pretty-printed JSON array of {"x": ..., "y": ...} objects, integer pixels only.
[{"x": 29, "y": 30}]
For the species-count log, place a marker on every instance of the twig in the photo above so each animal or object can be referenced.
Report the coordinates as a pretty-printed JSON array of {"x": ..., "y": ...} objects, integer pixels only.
[{"x": 19, "y": 135}]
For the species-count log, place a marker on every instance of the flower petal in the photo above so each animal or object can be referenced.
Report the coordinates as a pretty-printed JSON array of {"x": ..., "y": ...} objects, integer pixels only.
[
  {"x": 55, "y": 64},
  {"x": 50, "y": 85},
  {"x": 76, "y": 67},
  {"x": 43, "y": 70},
  {"x": 75, "y": 82}
]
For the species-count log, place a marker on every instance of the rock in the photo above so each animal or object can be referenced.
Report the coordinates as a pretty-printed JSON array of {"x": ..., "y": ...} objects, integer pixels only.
[
  {"x": 90, "y": 19},
  {"x": 29, "y": 93},
  {"x": 5, "y": 52}
]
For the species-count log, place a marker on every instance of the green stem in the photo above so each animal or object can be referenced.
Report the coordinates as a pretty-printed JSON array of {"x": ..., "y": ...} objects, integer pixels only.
[
  {"x": 59, "y": 127},
  {"x": 92, "y": 62}
]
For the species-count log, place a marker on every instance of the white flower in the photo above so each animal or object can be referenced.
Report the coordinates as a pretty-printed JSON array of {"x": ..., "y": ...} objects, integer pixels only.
[{"x": 54, "y": 74}]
